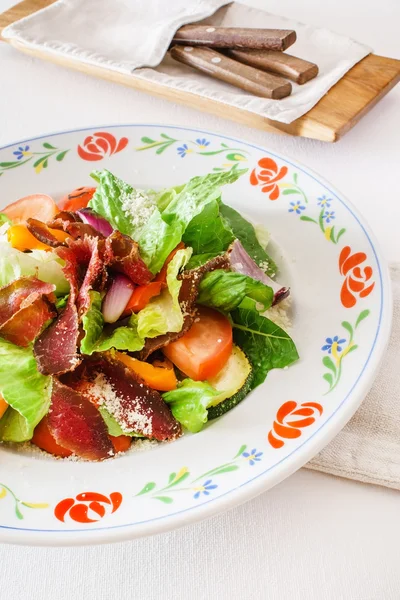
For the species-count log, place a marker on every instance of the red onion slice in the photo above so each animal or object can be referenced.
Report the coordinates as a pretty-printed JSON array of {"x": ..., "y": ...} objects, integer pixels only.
[
  {"x": 242, "y": 263},
  {"x": 117, "y": 298},
  {"x": 98, "y": 222}
]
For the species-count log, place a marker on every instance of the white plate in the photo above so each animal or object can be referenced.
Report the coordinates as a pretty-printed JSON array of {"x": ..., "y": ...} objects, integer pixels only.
[{"x": 316, "y": 234}]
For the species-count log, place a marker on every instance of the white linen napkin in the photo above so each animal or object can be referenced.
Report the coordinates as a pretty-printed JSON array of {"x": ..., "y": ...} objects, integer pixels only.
[
  {"x": 129, "y": 36},
  {"x": 368, "y": 448}
]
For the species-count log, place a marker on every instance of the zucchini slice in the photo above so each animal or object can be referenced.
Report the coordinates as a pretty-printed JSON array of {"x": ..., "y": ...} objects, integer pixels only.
[
  {"x": 234, "y": 383},
  {"x": 226, "y": 405}
]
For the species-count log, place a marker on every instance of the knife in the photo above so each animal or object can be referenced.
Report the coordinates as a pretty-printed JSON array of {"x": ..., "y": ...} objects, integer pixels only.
[
  {"x": 298, "y": 70},
  {"x": 231, "y": 71},
  {"x": 234, "y": 37}
]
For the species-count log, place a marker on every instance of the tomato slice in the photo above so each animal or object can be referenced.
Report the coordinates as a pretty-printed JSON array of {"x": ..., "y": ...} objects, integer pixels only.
[
  {"x": 77, "y": 199},
  {"x": 205, "y": 349},
  {"x": 37, "y": 206},
  {"x": 43, "y": 439},
  {"x": 141, "y": 296},
  {"x": 162, "y": 276}
]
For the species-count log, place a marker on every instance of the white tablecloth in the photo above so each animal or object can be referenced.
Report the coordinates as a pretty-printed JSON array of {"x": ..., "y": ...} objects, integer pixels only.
[{"x": 313, "y": 537}]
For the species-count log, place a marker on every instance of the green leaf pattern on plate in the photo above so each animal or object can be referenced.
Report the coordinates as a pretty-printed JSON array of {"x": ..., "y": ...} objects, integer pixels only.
[
  {"x": 338, "y": 348},
  {"x": 6, "y": 491},
  {"x": 301, "y": 204},
  {"x": 202, "y": 485},
  {"x": 200, "y": 146},
  {"x": 39, "y": 159}
]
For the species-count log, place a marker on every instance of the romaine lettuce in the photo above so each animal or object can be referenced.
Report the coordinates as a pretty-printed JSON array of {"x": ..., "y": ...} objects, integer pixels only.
[
  {"x": 163, "y": 314},
  {"x": 198, "y": 260},
  {"x": 189, "y": 403},
  {"x": 45, "y": 265},
  {"x": 113, "y": 427},
  {"x": 157, "y": 240},
  {"x": 109, "y": 199},
  {"x": 168, "y": 217},
  {"x": 226, "y": 290},
  {"x": 121, "y": 338},
  {"x": 92, "y": 323},
  {"x": 27, "y": 391}
]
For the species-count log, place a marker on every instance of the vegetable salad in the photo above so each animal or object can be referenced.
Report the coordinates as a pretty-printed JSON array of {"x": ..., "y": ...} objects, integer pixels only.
[{"x": 128, "y": 314}]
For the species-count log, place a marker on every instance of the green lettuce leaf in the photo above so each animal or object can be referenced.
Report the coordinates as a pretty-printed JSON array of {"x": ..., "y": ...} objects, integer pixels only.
[
  {"x": 164, "y": 230},
  {"x": 199, "y": 259},
  {"x": 162, "y": 315},
  {"x": 92, "y": 323},
  {"x": 113, "y": 427},
  {"x": 166, "y": 223},
  {"x": 121, "y": 338},
  {"x": 196, "y": 194},
  {"x": 164, "y": 197},
  {"x": 226, "y": 290},
  {"x": 108, "y": 200},
  {"x": 27, "y": 391},
  {"x": 266, "y": 345},
  {"x": 246, "y": 234},
  {"x": 157, "y": 240},
  {"x": 45, "y": 265},
  {"x": 189, "y": 403},
  {"x": 62, "y": 302},
  {"x": 207, "y": 232}
]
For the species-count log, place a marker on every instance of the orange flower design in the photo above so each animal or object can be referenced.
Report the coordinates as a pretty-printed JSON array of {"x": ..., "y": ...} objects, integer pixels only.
[
  {"x": 290, "y": 420},
  {"x": 266, "y": 174},
  {"x": 88, "y": 507},
  {"x": 357, "y": 280},
  {"x": 100, "y": 145}
]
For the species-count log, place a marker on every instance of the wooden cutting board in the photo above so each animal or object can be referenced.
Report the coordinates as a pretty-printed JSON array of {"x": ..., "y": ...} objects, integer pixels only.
[{"x": 335, "y": 114}]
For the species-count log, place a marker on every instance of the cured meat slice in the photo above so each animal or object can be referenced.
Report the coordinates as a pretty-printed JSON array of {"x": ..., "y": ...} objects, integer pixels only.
[
  {"x": 20, "y": 293},
  {"x": 63, "y": 218},
  {"x": 88, "y": 255},
  {"x": 122, "y": 254},
  {"x": 42, "y": 233},
  {"x": 136, "y": 407},
  {"x": 77, "y": 425},
  {"x": 27, "y": 323},
  {"x": 25, "y": 307},
  {"x": 56, "y": 349}
]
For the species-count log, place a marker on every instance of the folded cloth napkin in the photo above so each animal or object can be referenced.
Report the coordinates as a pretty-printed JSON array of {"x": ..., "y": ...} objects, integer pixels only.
[
  {"x": 129, "y": 36},
  {"x": 368, "y": 448}
]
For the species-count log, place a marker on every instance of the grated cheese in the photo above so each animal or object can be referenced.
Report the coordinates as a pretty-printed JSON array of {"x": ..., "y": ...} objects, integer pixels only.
[
  {"x": 130, "y": 419},
  {"x": 138, "y": 206},
  {"x": 279, "y": 314}
]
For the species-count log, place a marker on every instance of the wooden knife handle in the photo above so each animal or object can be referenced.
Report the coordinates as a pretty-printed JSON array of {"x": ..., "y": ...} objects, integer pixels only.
[
  {"x": 293, "y": 68},
  {"x": 234, "y": 37},
  {"x": 224, "y": 68}
]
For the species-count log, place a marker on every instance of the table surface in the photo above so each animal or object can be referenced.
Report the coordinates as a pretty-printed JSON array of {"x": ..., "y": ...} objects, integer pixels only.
[{"x": 313, "y": 536}]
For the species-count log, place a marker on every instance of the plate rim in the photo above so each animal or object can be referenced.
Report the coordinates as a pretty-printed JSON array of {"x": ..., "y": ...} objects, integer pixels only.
[{"x": 304, "y": 451}]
